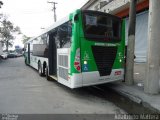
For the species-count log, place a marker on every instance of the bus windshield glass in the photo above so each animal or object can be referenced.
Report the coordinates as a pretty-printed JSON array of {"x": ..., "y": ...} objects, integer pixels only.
[{"x": 102, "y": 27}]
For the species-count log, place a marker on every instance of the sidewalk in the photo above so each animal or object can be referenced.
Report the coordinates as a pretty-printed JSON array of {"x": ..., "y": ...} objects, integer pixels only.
[{"x": 136, "y": 92}]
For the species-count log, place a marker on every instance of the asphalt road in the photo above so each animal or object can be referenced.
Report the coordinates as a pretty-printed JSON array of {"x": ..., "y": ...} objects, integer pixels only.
[{"x": 23, "y": 91}]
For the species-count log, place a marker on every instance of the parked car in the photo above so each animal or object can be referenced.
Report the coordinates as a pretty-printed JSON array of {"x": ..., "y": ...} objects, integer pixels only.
[
  {"x": 19, "y": 55},
  {"x": 12, "y": 55}
]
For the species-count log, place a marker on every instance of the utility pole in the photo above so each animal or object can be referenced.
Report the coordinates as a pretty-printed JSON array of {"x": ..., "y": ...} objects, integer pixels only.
[
  {"x": 151, "y": 83},
  {"x": 131, "y": 44},
  {"x": 54, "y": 10}
]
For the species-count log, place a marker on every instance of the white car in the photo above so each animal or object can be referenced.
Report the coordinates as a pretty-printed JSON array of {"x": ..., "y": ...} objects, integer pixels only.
[{"x": 4, "y": 55}]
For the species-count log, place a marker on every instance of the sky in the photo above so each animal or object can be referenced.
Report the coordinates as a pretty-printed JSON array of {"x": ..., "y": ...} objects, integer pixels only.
[{"x": 33, "y": 15}]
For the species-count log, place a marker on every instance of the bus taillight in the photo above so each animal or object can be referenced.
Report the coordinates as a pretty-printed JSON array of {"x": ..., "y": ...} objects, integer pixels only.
[
  {"x": 77, "y": 60},
  {"x": 78, "y": 68},
  {"x": 76, "y": 63}
]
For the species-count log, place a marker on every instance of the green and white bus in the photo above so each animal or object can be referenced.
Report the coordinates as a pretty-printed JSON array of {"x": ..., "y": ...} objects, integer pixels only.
[{"x": 85, "y": 48}]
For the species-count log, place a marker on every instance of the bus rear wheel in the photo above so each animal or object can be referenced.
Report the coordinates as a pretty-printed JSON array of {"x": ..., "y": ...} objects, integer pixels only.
[{"x": 46, "y": 73}]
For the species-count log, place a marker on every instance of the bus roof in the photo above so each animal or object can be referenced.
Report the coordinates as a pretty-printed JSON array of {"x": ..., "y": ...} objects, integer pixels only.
[{"x": 58, "y": 23}]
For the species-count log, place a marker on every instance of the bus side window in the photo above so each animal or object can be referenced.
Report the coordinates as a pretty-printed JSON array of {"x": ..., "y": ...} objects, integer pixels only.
[
  {"x": 70, "y": 28},
  {"x": 64, "y": 35}
]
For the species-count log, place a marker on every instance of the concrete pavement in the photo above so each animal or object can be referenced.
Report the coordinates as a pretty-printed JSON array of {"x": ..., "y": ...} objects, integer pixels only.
[
  {"x": 23, "y": 91},
  {"x": 136, "y": 92}
]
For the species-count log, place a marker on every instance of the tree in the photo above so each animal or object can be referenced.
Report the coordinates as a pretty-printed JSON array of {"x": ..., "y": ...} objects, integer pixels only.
[
  {"x": 7, "y": 32},
  {"x": 25, "y": 38},
  {"x": 1, "y": 3}
]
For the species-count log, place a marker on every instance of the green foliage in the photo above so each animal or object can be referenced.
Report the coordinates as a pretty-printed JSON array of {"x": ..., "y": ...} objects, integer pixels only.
[
  {"x": 7, "y": 31},
  {"x": 25, "y": 38},
  {"x": 1, "y": 3}
]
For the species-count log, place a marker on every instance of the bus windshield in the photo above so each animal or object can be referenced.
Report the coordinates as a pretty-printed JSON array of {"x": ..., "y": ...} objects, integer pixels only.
[{"x": 101, "y": 27}]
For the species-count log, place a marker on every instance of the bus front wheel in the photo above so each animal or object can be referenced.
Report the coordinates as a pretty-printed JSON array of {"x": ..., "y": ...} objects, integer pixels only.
[{"x": 40, "y": 69}]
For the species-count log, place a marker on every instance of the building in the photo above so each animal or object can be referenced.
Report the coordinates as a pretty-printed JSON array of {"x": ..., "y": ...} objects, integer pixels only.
[{"x": 121, "y": 8}]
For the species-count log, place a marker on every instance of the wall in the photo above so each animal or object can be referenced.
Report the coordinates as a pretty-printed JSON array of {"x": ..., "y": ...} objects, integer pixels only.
[
  {"x": 115, "y": 5},
  {"x": 141, "y": 39},
  {"x": 110, "y": 7}
]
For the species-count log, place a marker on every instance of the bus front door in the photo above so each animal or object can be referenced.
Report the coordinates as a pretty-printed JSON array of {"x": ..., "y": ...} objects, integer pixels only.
[
  {"x": 52, "y": 57},
  {"x": 28, "y": 53}
]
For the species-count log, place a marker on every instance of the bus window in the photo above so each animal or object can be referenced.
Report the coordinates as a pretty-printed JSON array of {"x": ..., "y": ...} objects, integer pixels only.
[
  {"x": 101, "y": 27},
  {"x": 44, "y": 39},
  {"x": 64, "y": 35}
]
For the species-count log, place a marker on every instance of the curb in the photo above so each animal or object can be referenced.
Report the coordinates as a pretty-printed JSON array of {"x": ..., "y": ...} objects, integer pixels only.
[{"x": 135, "y": 99}]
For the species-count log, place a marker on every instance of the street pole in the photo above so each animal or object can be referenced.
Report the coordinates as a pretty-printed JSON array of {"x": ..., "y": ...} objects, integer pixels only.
[
  {"x": 54, "y": 10},
  {"x": 151, "y": 83},
  {"x": 129, "y": 79}
]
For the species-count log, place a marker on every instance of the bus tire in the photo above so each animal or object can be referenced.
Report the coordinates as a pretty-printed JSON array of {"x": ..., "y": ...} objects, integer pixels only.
[
  {"x": 40, "y": 69},
  {"x": 46, "y": 73}
]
